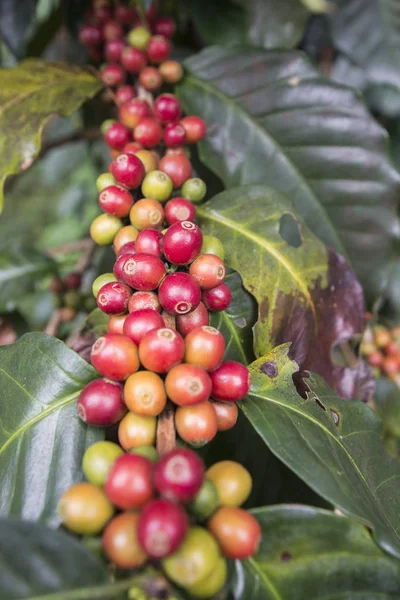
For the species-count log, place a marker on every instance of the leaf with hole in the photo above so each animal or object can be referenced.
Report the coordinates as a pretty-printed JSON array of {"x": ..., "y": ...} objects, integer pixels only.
[
  {"x": 309, "y": 553},
  {"x": 273, "y": 119},
  {"x": 334, "y": 445},
  {"x": 42, "y": 439}
]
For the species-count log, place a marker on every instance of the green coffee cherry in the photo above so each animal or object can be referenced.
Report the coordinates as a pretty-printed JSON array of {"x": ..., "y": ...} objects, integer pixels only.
[
  {"x": 98, "y": 460},
  {"x": 104, "y": 180},
  {"x": 147, "y": 451},
  {"x": 102, "y": 280},
  {"x": 106, "y": 124},
  {"x": 139, "y": 37},
  {"x": 211, "y": 585},
  {"x": 157, "y": 185},
  {"x": 206, "y": 500},
  {"x": 104, "y": 229},
  {"x": 212, "y": 245},
  {"x": 194, "y": 189}
]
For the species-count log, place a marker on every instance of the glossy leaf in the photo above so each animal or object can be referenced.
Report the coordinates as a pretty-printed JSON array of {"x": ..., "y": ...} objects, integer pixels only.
[
  {"x": 273, "y": 119},
  {"x": 305, "y": 294},
  {"x": 333, "y": 445},
  {"x": 42, "y": 439},
  {"x": 30, "y": 94},
  {"x": 310, "y": 553},
  {"x": 387, "y": 405}
]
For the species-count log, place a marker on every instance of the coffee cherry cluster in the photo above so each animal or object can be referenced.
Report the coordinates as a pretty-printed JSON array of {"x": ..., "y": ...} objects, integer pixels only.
[
  {"x": 168, "y": 509},
  {"x": 381, "y": 346}
]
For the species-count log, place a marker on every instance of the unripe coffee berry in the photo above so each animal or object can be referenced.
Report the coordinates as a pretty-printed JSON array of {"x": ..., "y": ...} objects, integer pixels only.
[
  {"x": 178, "y": 475},
  {"x": 227, "y": 414},
  {"x": 177, "y": 167},
  {"x": 100, "y": 281},
  {"x": 230, "y": 382},
  {"x": 104, "y": 228},
  {"x": 182, "y": 242},
  {"x": 139, "y": 37},
  {"x": 116, "y": 200},
  {"x": 179, "y": 209},
  {"x": 205, "y": 346},
  {"x": 150, "y": 78},
  {"x": 162, "y": 527},
  {"x": 129, "y": 482},
  {"x": 115, "y": 356},
  {"x": 85, "y": 509},
  {"x": 157, "y": 185},
  {"x": 188, "y": 384},
  {"x": 128, "y": 170},
  {"x": 161, "y": 349},
  {"x": 131, "y": 112},
  {"x": 206, "y": 500},
  {"x": 237, "y": 531},
  {"x": 194, "y": 189},
  {"x": 126, "y": 235},
  {"x": 218, "y": 298},
  {"x": 212, "y": 245},
  {"x": 197, "y": 424},
  {"x": 171, "y": 71},
  {"x": 113, "y": 298},
  {"x": 105, "y": 180},
  {"x": 121, "y": 544},
  {"x": 116, "y": 323},
  {"x": 146, "y": 213},
  {"x": 179, "y": 293},
  {"x": 98, "y": 460},
  {"x": 137, "y": 430},
  {"x": 208, "y": 270},
  {"x": 148, "y": 159},
  {"x": 232, "y": 481},
  {"x": 100, "y": 403}
]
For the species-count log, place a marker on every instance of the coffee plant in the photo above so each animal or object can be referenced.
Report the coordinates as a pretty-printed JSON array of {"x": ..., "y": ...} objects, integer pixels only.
[{"x": 199, "y": 300}]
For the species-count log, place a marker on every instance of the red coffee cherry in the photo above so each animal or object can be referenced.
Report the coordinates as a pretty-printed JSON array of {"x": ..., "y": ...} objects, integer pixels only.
[
  {"x": 188, "y": 384},
  {"x": 115, "y": 356},
  {"x": 116, "y": 324},
  {"x": 124, "y": 94},
  {"x": 147, "y": 132},
  {"x": 197, "y": 424},
  {"x": 102, "y": 14},
  {"x": 142, "y": 271},
  {"x": 158, "y": 49},
  {"x": 121, "y": 544},
  {"x": 128, "y": 248},
  {"x": 196, "y": 318},
  {"x": 237, "y": 532},
  {"x": 164, "y": 26},
  {"x": 149, "y": 241},
  {"x": 178, "y": 475},
  {"x": 227, "y": 414},
  {"x": 162, "y": 527},
  {"x": 146, "y": 213},
  {"x": 179, "y": 293},
  {"x": 131, "y": 112},
  {"x": 144, "y": 393},
  {"x": 195, "y": 129},
  {"x": 113, "y": 298},
  {"x": 178, "y": 151},
  {"x": 178, "y": 167},
  {"x": 218, "y": 298},
  {"x": 179, "y": 209},
  {"x": 174, "y": 135},
  {"x": 118, "y": 269},
  {"x": 230, "y": 382},
  {"x": 161, "y": 349},
  {"x": 167, "y": 109},
  {"x": 73, "y": 281},
  {"x": 133, "y": 59},
  {"x": 100, "y": 403},
  {"x": 144, "y": 300},
  {"x": 91, "y": 35},
  {"x": 128, "y": 170},
  {"x": 112, "y": 30},
  {"x": 113, "y": 50},
  {"x": 125, "y": 14},
  {"x": 182, "y": 242},
  {"x": 150, "y": 78},
  {"x": 129, "y": 484},
  {"x": 137, "y": 430},
  {"x": 208, "y": 270},
  {"x": 132, "y": 148},
  {"x": 116, "y": 200},
  {"x": 140, "y": 322},
  {"x": 204, "y": 346},
  {"x": 113, "y": 75}
]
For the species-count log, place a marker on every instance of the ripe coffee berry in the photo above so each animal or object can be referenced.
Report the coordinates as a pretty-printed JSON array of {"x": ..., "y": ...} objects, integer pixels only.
[
  {"x": 237, "y": 531},
  {"x": 144, "y": 393},
  {"x": 116, "y": 324},
  {"x": 147, "y": 132},
  {"x": 227, "y": 414},
  {"x": 98, "y": 460},
  {"x": 124, "y": 236},
  {"x": 103, "y": 14},
  {"x": 113, "y": 50},
  {"x": 197, "y": 424},
  {"x": 131, "y": 112},
  {"x": 164, "y": 26},
  {"x": 113, "y": 298},
  {"x": 115, "y": 356},
  {"x": 132, "y": 148},
  {"x": 232, "y": 480},
  {"x": 140, "y": 322},
  {"x": 178, "y": 475},
  {"x": 91, "y": 35},
  {"x": 218, "y": 298},
  {"x": 150, "y": 241},
  {"x": 128, "y": 170},
  {"x": 208, "y": 270},
  {"x": 182, "y": 242},
  {"x": 129, "y": 484},
  {"x": 146, "y": 213},
  {"x": 125, "y": 14},
  {"x": 85, "y": 509},
  {"x": 162, "y": 527},
  {"x": 179, "y": 293},
  {"x": 136, "y": 430},
  {"x": 113, "y": 75},
  {"x": 143, "y": 272},
  {"x": 100, "y": 403},
  {"x": 158, "y": 49},
  {"x": 112, "y": 30},
  {"x": 178, "y": 168},
  {"x": 104, "y": 228},
  {"x": 196, "y": 318},
  {"x": 188, "y": 384},
  {"x": 150, "y": 78},
  {"x": 116, "y": 200},
  {"x": 128, "y": 248},
  {"x": 161, "y": 349},
  {"x": 133, "y": 59},
  {"x": 121, "y": 544},
  {"x": 174, "y": 135},
  {"x": 230, "y": 382},
  {"x": 157, "y": 185},
  {"x": 194, "y": 189},
  {"x": 195, "y": 129},
  {"x": 144, "y": 300},
  {"x": 124, "y": 94},
  {"x": 179, "y": 209},
  {"x": 204, "y": 346},
  {"x": 171, "y": 71},
  {"x": 167, "y": 108},
  {"x": 119, "y": 265}
]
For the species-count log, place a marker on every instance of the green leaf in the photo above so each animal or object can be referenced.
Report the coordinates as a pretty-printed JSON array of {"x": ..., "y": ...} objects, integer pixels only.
[
  {"x": 334, "y": 445},
  {"x": 377, "y": 56},
  {"x": 310, "y": 553},
  {"x": 305, "y": 294},
  {"x": 273, "y": 119},
  {"x": 29, "y": 94},
  {"x": 42, "y": 439}
]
